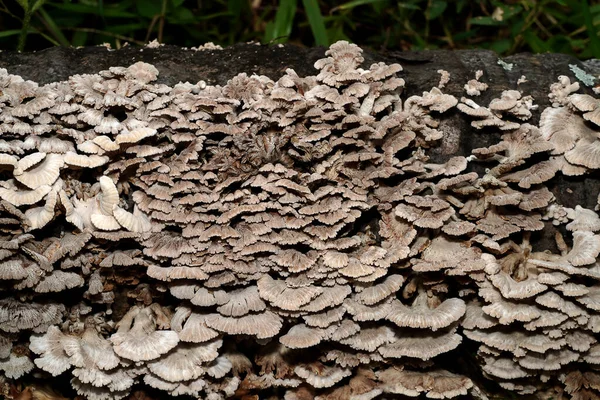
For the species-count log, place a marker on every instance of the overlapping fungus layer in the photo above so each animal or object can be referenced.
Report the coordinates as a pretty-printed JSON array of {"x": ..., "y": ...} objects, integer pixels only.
[{"x": 291, "y": 238}]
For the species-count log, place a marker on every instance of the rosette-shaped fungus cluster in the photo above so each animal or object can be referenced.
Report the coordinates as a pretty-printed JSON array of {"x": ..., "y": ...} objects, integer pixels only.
[{"x": 289, "y": 239}]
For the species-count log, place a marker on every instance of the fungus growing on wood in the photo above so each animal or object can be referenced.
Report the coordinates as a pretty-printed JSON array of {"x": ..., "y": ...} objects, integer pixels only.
[{"x": 302, "y": 225}]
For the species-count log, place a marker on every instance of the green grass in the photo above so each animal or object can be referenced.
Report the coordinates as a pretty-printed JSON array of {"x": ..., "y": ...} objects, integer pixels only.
[{"x": 565, "y": 26}]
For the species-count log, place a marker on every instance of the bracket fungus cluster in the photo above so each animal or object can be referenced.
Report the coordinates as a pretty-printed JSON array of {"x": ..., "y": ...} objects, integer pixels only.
[{"x": 292, "y": 239}]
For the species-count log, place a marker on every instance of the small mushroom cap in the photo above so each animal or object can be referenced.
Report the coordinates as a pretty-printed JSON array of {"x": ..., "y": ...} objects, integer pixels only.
[
  {"x": 57, "y": 281},
  {"x": 369, "y": 339},
  {"x": 133, "y": 222},
  {"x": 374, "y": 294},
  {"x": 91, "y": 351},
  {"x": 438, "y": 384},
  {"x": 12, "y": 269},
  {"x": 586, "y": 247},
  {"x": 146, "y": 348},
  {"x": 512, "y": 289},
  {"x": 421, "y": 316},
  {"x": 186, "y": 362},
  {"x": 284, "y": 297},
  {"x": 137, "y": 338},
  {"x": 16, "y": 366},
  {"x": 242, "y": 301},
  {"x": 583, "y": 219},
  {"x": 323, "y": 378},
  {"x": 51, "y": 348},
  {"x": 264, "y": 325},
  {"x": 24, "y": 197},
  {"x": 504, "y": 368},
  {"x": 424, "y": 346},
  {"x": 45, "y": 172},
  {"x": 301, "y": 336},
  {"x": 549, "y": 361}
]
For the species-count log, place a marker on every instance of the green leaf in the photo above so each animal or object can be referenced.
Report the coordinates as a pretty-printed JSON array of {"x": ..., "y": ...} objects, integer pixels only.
[
  {"x": 315, "y": 19},
  {"x": 436, "y": 8},
  {"x": 86, "y": 9},
  {"x": 484, "y": 21},
  {"x": 460, "y": 4},
  {"x": 337, "y": 33},
  {"x": 37, "y": 4},
  {"x": 79, "y": 38},
  {"x": 536, "y": 44},
  {"x": 53, "y": 28},
  {"x": 126, "y": 28},
  {"x": 409, "y": 6},
  {"x": 501, "y": 46},
  {"x": 24, "y": 4},
  {"x": 464, "y": 35},
  {"x": 269, "y": 29},
  {"x": 509, "y": 11},
  {"x": 235, "y": 7},
  {"x": 355, "y": 3},
  {"x": 591, "y": 29},
  {"x": 181, "y": 16},
  {"x": 11, "y": 32},
  {"x": 284, "y": 19},
  {"x": 149, "y": 8}
]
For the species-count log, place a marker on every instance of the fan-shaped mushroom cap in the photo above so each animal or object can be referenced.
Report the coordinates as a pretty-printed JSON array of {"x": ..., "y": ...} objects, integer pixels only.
[
  {"x": 135, "y": 135},
  {"x": 18, "y": 197},
  {"x": 16, "y": 366},
  {"x": 92, "y": 392},
  {"x": 133, "y": 222},
  {"x": 583, "y": 219},
  {"x": 438, "y": 384},
  {"x": 445, "y": 253},
  {"x": 12, "y": 269},
  {"x": 186, "y": 362},
  {"x": 137, "y": 338},
  {"x": 322, "y": 377},
  {"x": 109, "y": 197},
  {"x": 586, "y": 153},
  {"x": 264, "y": 325},
  {"x": 586, "y": 247},
  {"x": 16, "y": 316},
  {"x": 79, "y": 160},
  {"x": 369, "y": 339},
  {"x": 90, "y": 351},
  {"x": 38, "y": 217},
  {"x": 242, "y": 301},
  {"x": 194, "y": 330},
  {"x": 331, "y": 297},
  {"x": 294, "y": 260},
  {"x": 475, "y": 318},
  {"x": 116, "y": 380},
  {"x": 374, "y": 294},
  {"x": 284, "y": 297},
  {"x": 504, "y": 368},
  {"x": 419, "y": 315},
  {"x": 57, "y": 281},
  {"x": 512, "y": 289},
  {"x": 504, "y": 310},
  {"x": 301, "y": 336},
  {"x": 549, "y": 361},
  {"x": 50, "y": 346},
  {"x": 45, "y": 172},
  {"x": 422, "y": 346}
]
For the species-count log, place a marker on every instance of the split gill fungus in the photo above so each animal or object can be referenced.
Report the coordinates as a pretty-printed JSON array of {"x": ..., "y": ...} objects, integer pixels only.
[{"x": 292, "y": 239}]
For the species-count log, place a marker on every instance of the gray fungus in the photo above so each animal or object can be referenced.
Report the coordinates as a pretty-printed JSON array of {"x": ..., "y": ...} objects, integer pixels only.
[{"x": 292, "y": 239}]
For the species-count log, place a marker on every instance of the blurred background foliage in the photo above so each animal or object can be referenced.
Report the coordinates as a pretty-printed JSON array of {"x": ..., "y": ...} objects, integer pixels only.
[{"x": 565, "y": 26}]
